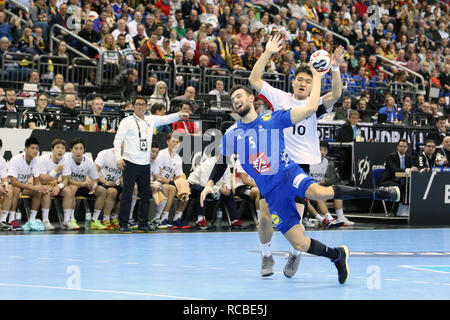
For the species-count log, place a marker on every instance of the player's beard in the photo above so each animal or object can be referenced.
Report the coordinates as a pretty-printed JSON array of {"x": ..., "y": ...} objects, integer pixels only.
[{"x": 243, "y": 112}]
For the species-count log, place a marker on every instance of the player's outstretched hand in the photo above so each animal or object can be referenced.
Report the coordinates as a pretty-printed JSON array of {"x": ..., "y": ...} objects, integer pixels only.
[
  {"x": 275, "y": 44},
  {"x": 338, "y": 56},
  {"x": 204, "y": 193}
]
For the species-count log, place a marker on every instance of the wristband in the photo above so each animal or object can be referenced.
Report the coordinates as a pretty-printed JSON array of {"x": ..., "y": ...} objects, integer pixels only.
[
  {"x": 334, "y": 68},
  {"x": 61, "y": 185},
  {"x": 53, "y": 173}
]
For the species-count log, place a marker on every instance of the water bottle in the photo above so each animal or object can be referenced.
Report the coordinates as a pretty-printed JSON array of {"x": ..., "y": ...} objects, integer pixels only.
[
  {"x": 87, "y": 222},
  {"x": 91, "y": 124},
  {"x": 104, "y": 125},
  {"x": 18, "y": 216},
  {"x": 358, "y": 135},
  {"x": 86, "y": 123},
  {"x": 219, "y": 217}
]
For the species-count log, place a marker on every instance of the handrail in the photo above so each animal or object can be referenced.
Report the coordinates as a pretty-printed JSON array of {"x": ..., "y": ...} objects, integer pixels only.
[
  {"x": 18, "y": 4},
  {"x": 407, "y": 70},
  {"x": 327, "y": 30},
  {"x": 53, "y": 38},
  {"x": 17, "y": 17}
]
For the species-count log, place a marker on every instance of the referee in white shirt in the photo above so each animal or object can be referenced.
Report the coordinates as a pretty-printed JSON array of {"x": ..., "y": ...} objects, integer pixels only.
[{"x": 136, "y": 133}]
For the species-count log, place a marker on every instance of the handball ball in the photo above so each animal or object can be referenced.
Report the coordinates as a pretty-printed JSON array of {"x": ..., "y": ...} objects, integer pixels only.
[
  {"x": 441, "y": 160},
  {"x": 320, "y": 60}
]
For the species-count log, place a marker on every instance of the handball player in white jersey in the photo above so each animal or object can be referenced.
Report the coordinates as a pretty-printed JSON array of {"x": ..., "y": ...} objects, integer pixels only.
[
  {"x": 302, "y": 140},
  {"x": 81, "y": 167},
  {"x": 54, "y": 173},
  {"x": 6, "y": 193}
]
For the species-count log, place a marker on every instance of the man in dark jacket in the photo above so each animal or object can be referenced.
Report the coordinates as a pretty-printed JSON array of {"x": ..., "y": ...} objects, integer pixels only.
[
  {"x": 126, "y": 80},
  {"x": 90, "y": 35},
  {"x": 427, "y": 159}
]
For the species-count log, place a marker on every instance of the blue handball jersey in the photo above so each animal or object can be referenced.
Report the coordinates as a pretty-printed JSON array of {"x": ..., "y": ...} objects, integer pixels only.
[{"x": 260, "y": 148}]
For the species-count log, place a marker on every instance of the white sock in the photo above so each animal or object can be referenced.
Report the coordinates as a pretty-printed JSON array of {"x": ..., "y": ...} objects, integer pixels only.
[
  {"x": 159, "y": 209},
  {"x": 234, "y": 221},
  {"x": 199, "y": 218},
  {"x": 328, "y": 216},
  {"x": 4, "y": 215},
  {"x": 114, "y": 216},
  {"x": 72, "y": 214},
  {"x": 340, "y": 214},
  {"x": 258, "y": 214},
  {"x": 319, "y": 217},
  {"x": 67, "y": 214},
  {"x": 295, "y": 252},
  {"x": 45, "y": 213},
  {"x": 165, "y": 216},
  {"x": 265, "y": 249},
  {"x": 33, "y": 214},
  {"x": 178, "y": 215},
  {"x": 12, "y": 216},
  {"x": 96, "y": 214},
  {"x": 133, "y": 204},
  {"x": 106, "y": 217}
]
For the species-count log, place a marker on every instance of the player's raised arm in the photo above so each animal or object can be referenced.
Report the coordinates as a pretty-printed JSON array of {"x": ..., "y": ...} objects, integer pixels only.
[
  {"x": 336, "y": 82},
  {"x": 275, "y": 44},
  {"x": 298, "y": 114}
]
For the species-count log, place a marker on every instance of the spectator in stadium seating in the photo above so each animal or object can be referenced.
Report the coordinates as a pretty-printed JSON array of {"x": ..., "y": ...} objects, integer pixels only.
[
  {"x": 127, "y": 81},
  {"x": 248, "y": 58},
  {"x": 343, "y": 112},
  {"x": 61, "y": 19},
  {"x": 413, "y": 63},
  {"x": 186, "y": 126},
  {"x": 444, "y": 78},
  {"x": 389, "y": 109},
  {"x": 198, "y": 179},
  {"x": 223, "y": 45},
  {"x": 39, "y": 16},
  {"x": 95, "y": 113},
  {"x": 121, "y": 29},
  {"x": 215, "y": 57},
  {"x": 27, "y": 43},
  {"x": 439, "y": 132},
  {"x": 233, "y": 60},
  {"x": 361, "y": 107},
  {"x": 244, "y": 38},
  {"x": 34, "y": 119},
  {"x": 160, "y": 95},
  {"x": 424, "y": 66},
  {"x": 361, "y": 80},
  {"x": 5, "y": 28},
  {"x": 140, "y": 37},
  {"x": 372, "y": 66},
  {"x": 202, "y": 49},
  {"x": 90, "y": 35},
  {"x": 57, "y": 84},
  {"x": 133, "y": 25},
  {"x": 192, "y": 22},
  {"x": 189, "y": 94},
  {"x": 427, "y": 158},
  {"x": 405, "y": 115},
  {"x": 189, "y": 40},
  {"x": 423, "y": 116},
  {"x": 151, "y": 46},
  {"x": 446, "y": 149},
  {"x": 62, "y": 57},
  {"x": 10, "y": 101},
  {"x": 219, "y": 91},
  {"x": 159, "y": 109},
  {"x": 101, "y": 20}
]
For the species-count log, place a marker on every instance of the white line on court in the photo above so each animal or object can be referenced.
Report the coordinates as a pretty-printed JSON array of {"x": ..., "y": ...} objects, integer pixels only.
[
  {"x": 100, "y": 291},
  {"x": 417, "y": 267},
  {"x": 391, "y": 279}
]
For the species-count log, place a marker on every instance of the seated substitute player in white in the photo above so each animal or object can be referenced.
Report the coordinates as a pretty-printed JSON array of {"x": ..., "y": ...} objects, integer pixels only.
[
  {"x": 54, "y": 173},
  {"x": 81, "y": 167},
  {"x": 22, "y": 169},
  {"x": 109, "y": 182},
  {"x": 170, "y": 169},
  {"x": 6, "y": 193}
]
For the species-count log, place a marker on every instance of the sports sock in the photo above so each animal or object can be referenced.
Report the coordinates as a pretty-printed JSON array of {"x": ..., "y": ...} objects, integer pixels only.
[
  {"x": 165, "y": 216},
  {"x": 295, "y": 252},
  {"x": 265, "y": 249},
  {"x": 348, "y": 193},
  {"x": 178, "y": 215},
  {"x": 159, "y": 209},
  {"x": 328, "y": 216},
  {"x": 340, "y": 214},
  {"x": 72, "y": 214},
  {"x": 319, "y": 249},
  {"x": 67, "y": 214},
  {"x": 4, "y": 215},
  {"x": 319, "y": 217},
  {"x": 106, "y": 217},
  {"x": 133, "y": 204},
  {"x": 45, "y": 213},
  {"x": 114, "y": 216},
  {"x": 96, "y": 214},
  {"x": 33, "y": 214},
  {"x": 258, "y": 214},
  {"x": 12, "y": 216}
]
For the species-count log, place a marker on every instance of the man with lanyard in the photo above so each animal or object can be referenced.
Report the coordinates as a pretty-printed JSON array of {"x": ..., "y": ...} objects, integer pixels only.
[{"x": 136, "y": 132}]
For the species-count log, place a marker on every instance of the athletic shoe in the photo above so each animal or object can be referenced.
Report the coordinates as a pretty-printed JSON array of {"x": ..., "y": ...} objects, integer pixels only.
[
  {"x": 132, "y": 224},
  {"x": 346, "y": 222},
  {"x": 267, "y": 266},
  {"x": 331, "y": 224},
  {"x": 238, "y": 225},
  {"x": 155, "y": 222},
  {"x": 67, "y": 225},
  {"x": 115, "y": 223},
  {"x": 291, "y": 266},
  {"x": 387, "y": 193},
  {"x": 202, "y": 224},
  {"x": 5, "y": 226},
  {"x": 145, "y": 229},
  {"x": 15, "y": 226},
  {"x": 48, "y": 226},
  {"x": 124, "y": 229},
  {"x": 342, "y": 265},
  {"x": 74, "y": 223},
  {"x": 307, "y": 223},
  {"x": 164, "y": 224},
  {"x": 108, "y": 224},
  {"x": 179, "y": 224},
  {"x": 97, "y": 225}
]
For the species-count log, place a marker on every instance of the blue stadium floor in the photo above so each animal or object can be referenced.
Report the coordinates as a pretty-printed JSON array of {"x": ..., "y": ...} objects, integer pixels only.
[{"x": 384, "y": 264}]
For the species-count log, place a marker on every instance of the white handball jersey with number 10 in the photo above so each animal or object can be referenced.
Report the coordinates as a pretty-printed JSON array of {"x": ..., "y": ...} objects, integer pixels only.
[{"x": 302, "y": 139}]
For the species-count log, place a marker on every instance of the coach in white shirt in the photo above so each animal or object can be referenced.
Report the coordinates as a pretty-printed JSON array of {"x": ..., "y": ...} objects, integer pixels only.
[{"x": 136, "y": 133}]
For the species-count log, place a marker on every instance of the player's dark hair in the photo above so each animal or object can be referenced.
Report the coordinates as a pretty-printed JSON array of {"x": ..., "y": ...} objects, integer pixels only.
[
  {"x": 176, "y": 135},
  {"x": 30, "y": 141},
  {"x": 139, "y": 98},
  {"x": 324, "y": 144},
  {"x": 402, "y": 140},
  {"x": 303, "y": 69},
  {"x": 155, "y": 144},
  {"x": 428, "y": 141},
  {"x": 157, "y": 107},
  {"x": 58, "y": 141},
  {"x": 442, "y": 118},
  {"x": 239, "y": 86},
  {"x": 76, "y": 141}
]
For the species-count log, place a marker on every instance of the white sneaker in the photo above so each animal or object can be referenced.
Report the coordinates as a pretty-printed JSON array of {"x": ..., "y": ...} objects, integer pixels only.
[
  {"x": 308, "y": 224},
  {"x": 67, "y": 225},
  {"x": 346, "y": 222},
  {"x": 48, "y": 226}
]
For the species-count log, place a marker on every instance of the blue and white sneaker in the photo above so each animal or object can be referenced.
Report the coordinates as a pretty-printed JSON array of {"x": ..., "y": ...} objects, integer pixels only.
[
  {"x": 178, "y": 224},
  {"x": 164, "y": 224}
]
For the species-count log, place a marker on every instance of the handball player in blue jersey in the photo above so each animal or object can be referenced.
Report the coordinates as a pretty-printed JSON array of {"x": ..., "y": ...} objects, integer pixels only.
[{"x": 259, "y": 143}]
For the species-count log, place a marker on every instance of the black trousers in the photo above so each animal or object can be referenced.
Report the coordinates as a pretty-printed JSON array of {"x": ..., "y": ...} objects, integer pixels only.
[{"x": 140, "y": 174}]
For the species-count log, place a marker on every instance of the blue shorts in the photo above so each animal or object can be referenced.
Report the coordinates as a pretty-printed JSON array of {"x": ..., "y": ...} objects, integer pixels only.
[{"x": 281, "y": 200}]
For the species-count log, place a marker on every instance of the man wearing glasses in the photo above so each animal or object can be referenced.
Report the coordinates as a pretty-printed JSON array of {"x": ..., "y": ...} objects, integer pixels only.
[{"x": 427, "y": 159}]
